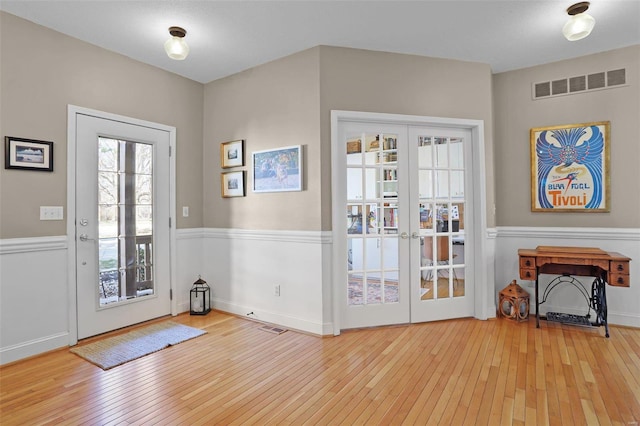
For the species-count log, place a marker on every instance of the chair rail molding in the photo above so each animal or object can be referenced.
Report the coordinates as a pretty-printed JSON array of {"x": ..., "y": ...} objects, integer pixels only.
[{"x": 32, "y": 244}]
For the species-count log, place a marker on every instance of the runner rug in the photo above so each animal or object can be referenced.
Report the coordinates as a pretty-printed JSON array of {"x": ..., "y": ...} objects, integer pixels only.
[{"x": 113, "y": 351}]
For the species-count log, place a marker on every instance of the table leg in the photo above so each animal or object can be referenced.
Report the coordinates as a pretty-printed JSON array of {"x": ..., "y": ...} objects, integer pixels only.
[
  {"x": 599, "y": 302},
  {"x": 537, "y": 302}
]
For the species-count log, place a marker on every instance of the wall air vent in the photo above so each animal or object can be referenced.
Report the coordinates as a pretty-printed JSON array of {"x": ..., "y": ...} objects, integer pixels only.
[
  {"x": 559, "y": 87},
  {"x": 616, "y": 77},
  {"x": 596, "y": 81},
  {"x": 579, "y": 84},
  {"x": 542, "y": 89}
]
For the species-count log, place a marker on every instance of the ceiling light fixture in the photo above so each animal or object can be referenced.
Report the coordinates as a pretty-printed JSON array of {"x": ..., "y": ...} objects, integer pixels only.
[
  {"x": 176, "y": 47},
  {"x": 580, "y": 23}
]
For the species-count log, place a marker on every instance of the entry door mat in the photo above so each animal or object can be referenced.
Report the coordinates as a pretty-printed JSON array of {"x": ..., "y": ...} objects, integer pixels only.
[
  {"x": 569, "y": 319},
  {"x": 117, "y": 350}
]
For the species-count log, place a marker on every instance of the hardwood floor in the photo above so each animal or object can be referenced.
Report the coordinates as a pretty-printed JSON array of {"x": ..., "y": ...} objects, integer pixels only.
[{"x": 459, "y": 372}]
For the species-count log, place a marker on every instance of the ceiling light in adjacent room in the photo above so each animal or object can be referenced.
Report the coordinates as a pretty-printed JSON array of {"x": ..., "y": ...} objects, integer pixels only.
[
  {"x": 176, "y": 47},
  {"x": 580, "y": 23}
]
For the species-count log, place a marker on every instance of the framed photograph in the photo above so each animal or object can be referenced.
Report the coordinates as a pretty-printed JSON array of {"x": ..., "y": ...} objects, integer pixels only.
[
  {"x": 570, "y": 168},
  {"x": 277, "y": 170},
  {"x": 28, "y": 154},
  {"x": 232, "y": 184},
  {"x": 232, "y": 154}
]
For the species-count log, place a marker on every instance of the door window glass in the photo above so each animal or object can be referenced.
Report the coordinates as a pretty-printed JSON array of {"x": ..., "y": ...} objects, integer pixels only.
[
  {"x": 125, "y": 222},
  {"x": 441, "y": 204},
  {"x": 372, "y": 219}
]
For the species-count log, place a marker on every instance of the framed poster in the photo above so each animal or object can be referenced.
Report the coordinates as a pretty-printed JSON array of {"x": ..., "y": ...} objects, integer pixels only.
[
  {"x": 570, "y": 168},
  {"x": 277, "y": 170}
]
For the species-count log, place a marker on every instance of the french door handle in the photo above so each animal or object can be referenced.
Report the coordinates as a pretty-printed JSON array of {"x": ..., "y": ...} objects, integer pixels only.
[
  {"x": 85, "y": 237},
  {"x": 404, "y": 235},
  {"x": 415, "y": 235}
]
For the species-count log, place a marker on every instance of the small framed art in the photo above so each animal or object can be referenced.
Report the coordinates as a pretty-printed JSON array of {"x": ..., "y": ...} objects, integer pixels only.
[
  {"x": 232, "y": 154},
  {"x": 277, "y": 170},
  {"x": 28, "y": 154},
  {"x": 232, "y": 184}
]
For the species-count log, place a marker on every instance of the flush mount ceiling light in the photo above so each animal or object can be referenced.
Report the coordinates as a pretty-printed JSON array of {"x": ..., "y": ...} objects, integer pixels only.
[
  {"x": 580, "y": 23},
  {"x": 176, "y": 47}
]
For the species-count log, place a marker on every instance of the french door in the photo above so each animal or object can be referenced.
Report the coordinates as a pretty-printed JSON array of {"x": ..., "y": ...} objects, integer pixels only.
[
  {"x": 439, "y": 172},
  {"x": 404, "y": 195},
  {"x": 122, "y": 204}
]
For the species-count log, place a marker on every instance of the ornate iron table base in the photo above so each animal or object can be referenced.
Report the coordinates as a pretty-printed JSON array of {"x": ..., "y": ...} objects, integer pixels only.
[{"x": 596, "y": 301}]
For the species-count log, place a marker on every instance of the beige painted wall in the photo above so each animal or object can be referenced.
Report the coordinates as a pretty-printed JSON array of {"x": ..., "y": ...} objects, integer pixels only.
[
  {"x": 41, "y": 72},
  {"x": 270, "y": 106},
  {"x": 516, "y": 113},
  {"x": 362, "y": 80},
  {"x": 288, "y": 101}
]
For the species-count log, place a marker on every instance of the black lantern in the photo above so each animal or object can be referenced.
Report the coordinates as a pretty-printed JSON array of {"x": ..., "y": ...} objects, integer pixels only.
[{"x": 200, "y": 300}]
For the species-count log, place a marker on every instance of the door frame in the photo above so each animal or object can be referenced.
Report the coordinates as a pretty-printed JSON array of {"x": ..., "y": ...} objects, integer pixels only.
[
  {"x": 72, "y": 113},
  {"x": 480, "y": 269}
]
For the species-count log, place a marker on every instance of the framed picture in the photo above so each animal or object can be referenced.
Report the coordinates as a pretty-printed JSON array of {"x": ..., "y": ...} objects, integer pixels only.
[
  {"x": 277, "y": 170},
  {"x": 232, "y": 154},
  {"x": 570, "y": 168},
  {"x": 232, "y": 184},
  {"x": 28, "y": 154}
]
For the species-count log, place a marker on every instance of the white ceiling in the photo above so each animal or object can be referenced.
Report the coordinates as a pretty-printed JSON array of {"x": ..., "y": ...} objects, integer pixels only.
[{"x": 226, "y": 37}]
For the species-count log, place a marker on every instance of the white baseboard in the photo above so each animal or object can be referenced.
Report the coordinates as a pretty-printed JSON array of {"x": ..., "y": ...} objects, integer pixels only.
[
  {"x": 274, "y": 318},
  {"x": 33, "y": 347}
]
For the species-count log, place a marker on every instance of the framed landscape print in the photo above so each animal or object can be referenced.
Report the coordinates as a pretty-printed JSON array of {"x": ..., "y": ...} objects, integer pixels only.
[
  {"x": 28, "y": 154},
  {"x": 570, "y": 168},
  {"x": 277, "y": 170}
]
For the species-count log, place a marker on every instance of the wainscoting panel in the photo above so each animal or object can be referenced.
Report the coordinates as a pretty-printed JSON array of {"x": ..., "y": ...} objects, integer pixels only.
[
  {"x": 245, "y": 267},
  {"x": 189, "y": 257},
  {"x": 33, "y": 296},
  {"x": 623, "y": 303}
]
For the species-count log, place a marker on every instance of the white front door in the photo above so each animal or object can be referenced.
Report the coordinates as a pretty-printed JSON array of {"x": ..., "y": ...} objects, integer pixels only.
[
  {"x": 122, "y": 211},
  {"x": 407, "y": 245}
]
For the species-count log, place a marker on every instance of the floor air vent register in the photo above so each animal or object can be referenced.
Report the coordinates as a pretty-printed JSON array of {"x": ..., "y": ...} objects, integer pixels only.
[{"x": 272, "y": 329}]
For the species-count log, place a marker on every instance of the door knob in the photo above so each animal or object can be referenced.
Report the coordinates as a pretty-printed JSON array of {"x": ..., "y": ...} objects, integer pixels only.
[
  {"x": 84, "y": 237},
  {"x": 415, "y": 235},
  {"x": 404, "y": 235}
]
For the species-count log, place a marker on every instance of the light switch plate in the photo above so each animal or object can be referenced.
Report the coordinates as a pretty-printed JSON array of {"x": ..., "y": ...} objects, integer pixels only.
[
  {"x": 51, "y": 213},
  {"x": 185, "y": 211}
]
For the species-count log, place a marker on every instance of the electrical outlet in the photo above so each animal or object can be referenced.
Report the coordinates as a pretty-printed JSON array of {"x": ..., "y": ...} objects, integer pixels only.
[{"x": 276, "y": 290}]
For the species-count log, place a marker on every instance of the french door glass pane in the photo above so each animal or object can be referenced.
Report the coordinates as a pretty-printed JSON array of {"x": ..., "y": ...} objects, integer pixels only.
[
  {"x": 354, "y": 183},
  {"x": 125, "y": 222},
  {"x": 457, "y": 156},
  {"x": 372, "y": 218},
  {"x": 441, "y": 212}
]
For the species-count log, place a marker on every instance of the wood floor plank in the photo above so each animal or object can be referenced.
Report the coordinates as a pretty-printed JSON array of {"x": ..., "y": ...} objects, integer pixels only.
[{"x": 449, "y": 372}]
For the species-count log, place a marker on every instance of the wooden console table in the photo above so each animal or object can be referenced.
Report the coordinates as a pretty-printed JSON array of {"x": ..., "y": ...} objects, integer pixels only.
[{"x": 606, "y": 267}]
